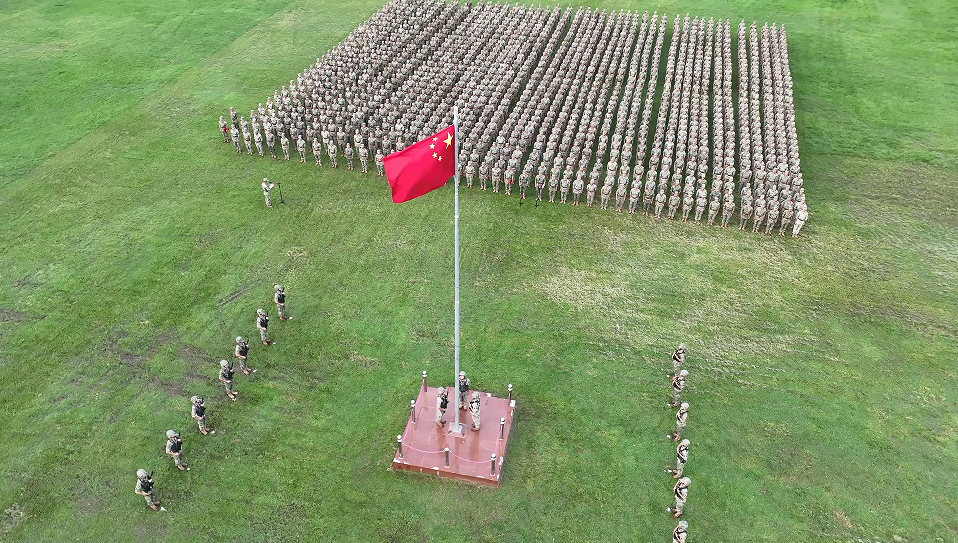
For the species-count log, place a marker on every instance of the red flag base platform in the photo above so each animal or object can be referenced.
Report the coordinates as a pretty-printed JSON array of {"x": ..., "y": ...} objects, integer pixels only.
[{"x": 470, "y": 451}]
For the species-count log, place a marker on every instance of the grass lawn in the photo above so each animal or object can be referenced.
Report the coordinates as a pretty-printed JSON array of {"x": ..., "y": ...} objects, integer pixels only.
[{"x": 823, "y": 386}]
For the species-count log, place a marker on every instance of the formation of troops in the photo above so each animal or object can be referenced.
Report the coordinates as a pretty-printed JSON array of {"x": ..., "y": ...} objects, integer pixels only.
[
  {"x": 174, "y": 441},
  {"x": 557, "y": 101},
  {"x": 680, "y": 490}
]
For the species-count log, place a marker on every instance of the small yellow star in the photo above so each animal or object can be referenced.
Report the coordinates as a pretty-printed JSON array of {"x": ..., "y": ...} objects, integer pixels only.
[
  {"x": 435, "y": 139},
  {"x": 432, "y": 145},
  {"x": 440, "y": 159},
  {"x": 448, "y": 140},
  {"x": 434, "y": 155}
]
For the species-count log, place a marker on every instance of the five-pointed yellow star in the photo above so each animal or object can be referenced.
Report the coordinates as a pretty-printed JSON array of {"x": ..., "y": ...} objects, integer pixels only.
[
  {"x": 434, "y": 155},
  {"x": 432, "y": 145},
  {"x": 448, "y": 140},
  {"x": 440, "y": 159}
]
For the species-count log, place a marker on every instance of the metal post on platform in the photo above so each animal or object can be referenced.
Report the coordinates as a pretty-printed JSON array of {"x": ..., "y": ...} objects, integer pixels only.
[
  {"x": 502, "y": 427},
  {"x": 412, "y": 411},
  {"x": 493, "y": 464},
  {"x": 509, "y": 399},
  {"x": 446, "y": 450},
  {"x": 424, "y": 379},
  {"x": 399, "y": 441}
]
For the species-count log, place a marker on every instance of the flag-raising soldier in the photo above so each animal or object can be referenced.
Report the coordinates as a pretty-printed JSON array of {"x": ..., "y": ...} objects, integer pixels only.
[{"x": 442, "y": 402}]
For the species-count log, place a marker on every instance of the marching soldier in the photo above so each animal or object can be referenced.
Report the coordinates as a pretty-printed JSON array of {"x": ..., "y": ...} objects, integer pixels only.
[
  {"x": 463, "y": 385},
  {"x": 279, "y": 298},
  {"x": 474, "y": 409},
  {"x": 678, "y": 358},
  {"x": 679, "y": 534},
  {"x": 442, "y": 402},
  {"x": 681, "y": 493},
  {"x": 198, "y": 412},
  {"x": 242, "y": 350},
  {"x": 267, "y": 186},
  {"x": 174, "y": 448},
  {"x": 681, "y": 457},
  {"x": 678, "y": 383},
  {"x": 262, "y": 323},
  {"x": 226, "y": 376},
  {"x": 681, "y": 417},
  {"x": 144, "y": 487}
]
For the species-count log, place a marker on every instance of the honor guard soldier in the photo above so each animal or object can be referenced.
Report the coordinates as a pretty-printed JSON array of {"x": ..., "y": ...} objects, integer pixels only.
[
  {"x": 267, "y": 186},
  {"x": 226, "y": 376},
  {"x": 678, "y": 358},
  {"x": 442, "y": 402},
  {"x": 144, "y": 487},
  {"x": 678, "y": 383},
  {"x": 174, "y": 448},
  {"x": 198, "y": 412},
  {"x": 463, "y": 385},
  {"x": 681, "y": 492},
  {"x": 681, "y": 457},
  {"x": 242, "y": 350},
  {"x": 474, "y": 409},
  {"x": 279, "y": 298},
  {"x": 262, "y": 323},
  {"x": 680, "y": 532},
  {"x": 224, "y": 128},
  {"x": 681, "y": 417}
]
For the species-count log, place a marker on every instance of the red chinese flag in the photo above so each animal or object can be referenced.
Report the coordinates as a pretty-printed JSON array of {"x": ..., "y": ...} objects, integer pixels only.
[{"x": 422, "y": 166}]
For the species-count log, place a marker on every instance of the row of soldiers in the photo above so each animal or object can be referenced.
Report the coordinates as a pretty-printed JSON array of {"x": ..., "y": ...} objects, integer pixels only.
[
  {"x": 565, "y": 99},
  {"x": 681, "y": 488},
  {"x": 174, "y": 440}
]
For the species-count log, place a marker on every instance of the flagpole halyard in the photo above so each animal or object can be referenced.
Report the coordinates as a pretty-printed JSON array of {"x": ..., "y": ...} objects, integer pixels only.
[{"x": 457, "y": 427}]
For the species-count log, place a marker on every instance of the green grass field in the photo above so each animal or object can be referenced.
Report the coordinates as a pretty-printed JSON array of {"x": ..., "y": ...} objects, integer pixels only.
[{"x": 823, "y": 384}]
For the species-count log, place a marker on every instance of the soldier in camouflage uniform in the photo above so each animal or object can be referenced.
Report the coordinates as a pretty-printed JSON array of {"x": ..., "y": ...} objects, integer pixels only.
[
  {"x": 681, "y": 492},
  {"x": 317, "y": 152},
  {"x": 331, "y": 153},
  {"x": 242, "y": 353},
  {"x": 363, "y": 156},
  {"x": 606, "y": 194},
  {"x": 226, "y": 377},
  {"x": 380, "y": 168},
  {"x": 681, "y": 417},
  {"x": 258, "y": 140},
  {"x": 144, "y": 487},
  {"x": 301, "y": 148},
  {"x": 680, "y": 533},
  {"x": 198, "y": 412},
  {"x": 174, "y": 448},
  {"x": 235, "y": 136},
  {"x": 678, "y": 384},
  {"x": 474, "y": 405},
  {"x": 284, "y": 143}
]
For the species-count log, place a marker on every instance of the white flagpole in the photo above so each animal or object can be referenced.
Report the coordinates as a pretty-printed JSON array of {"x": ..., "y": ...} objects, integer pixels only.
[{"x": 457, "y": 427}]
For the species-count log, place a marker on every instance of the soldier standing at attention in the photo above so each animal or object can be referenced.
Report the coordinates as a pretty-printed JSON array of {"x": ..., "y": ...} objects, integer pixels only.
[
  {"x": 235, "y": 136},
  {"x": 620, "y": 198},
  {"x": 577, "y": 187},
  {"x": 258, "y": 140},
  {"x": 331, "y": 153},
  {"x": 380, "y": 168},
  {"x": 442, "y": 402},
  {"x": 678, "y": 383},
  {"x": 659, "y": 203},
  {"x": 198, "y": 412},
  {"x": 634, "y": 195},
  {"x": 248, "y": 140},
  {"x": 284, "y": 143},
  {"x": 348, "y": 153},
  {"x": 681, "y": 493},
  {"x": 174, "y": 448},
  {"x": 464, "y": 385},
  {"x": 363, "y": 156},
  {"x": 590, "y": 192},
  {"x": 279, "y": 298},
  {"x": 226, "y": 376},
  {"x": 267, "y": 186},
  {"x": 680, "y": 532},
  {"x": 681, "y": 417},
  {"x": 224, "y": 128},
  {"x": 301, "y": 147},
  {"x": 317, "y": 152},
  {"x": 242, "y": 350},
  {"x": 271, "y": 143},
  {"x": 474, "y": 409},
  {"x": 678, "y": 358},
  {"x": 606, "y": 193},
  {"x": 800, "y": 219},
  {"x": 262, "y": 323},
  {"x": 144, "y": 487}
]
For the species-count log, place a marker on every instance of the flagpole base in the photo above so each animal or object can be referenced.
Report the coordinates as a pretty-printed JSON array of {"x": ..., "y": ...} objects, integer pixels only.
[{"x": 455, "y": 430}]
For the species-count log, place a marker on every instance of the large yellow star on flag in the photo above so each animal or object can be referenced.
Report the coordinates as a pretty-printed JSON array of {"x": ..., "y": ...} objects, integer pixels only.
[{"x": 448, "y": 140}]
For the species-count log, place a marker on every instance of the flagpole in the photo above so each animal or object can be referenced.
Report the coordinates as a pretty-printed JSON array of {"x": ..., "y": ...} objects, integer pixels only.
[{"x": 457, "y": 427}]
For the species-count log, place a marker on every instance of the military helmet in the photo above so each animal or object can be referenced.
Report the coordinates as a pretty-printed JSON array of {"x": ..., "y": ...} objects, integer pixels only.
[
  {"x": 170, "y": 434},
  {"x": 685, "y": 442},
  {"x": 277, "y": 287},
  {"x": 462, "y": 374},
  {"x": 684, "y": 525},
  {"x": 224, "y": 363},
  {"x": 195, "y": 399},
  {"x": 684, "y": 406},
  {"x": 442, "y": 390},
  {"x": 239, "y": 339},
  {"x": 684, "y": 373},
  {"x": 685, "y": 481},
  {"x": 141, "y": 473},
  {"x": 682, "y": 346},
  {"x": 259, "y": 311}
]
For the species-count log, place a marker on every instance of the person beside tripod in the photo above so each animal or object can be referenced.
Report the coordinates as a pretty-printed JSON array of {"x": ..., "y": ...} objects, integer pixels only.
[{"x": 267, "y": 187}]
